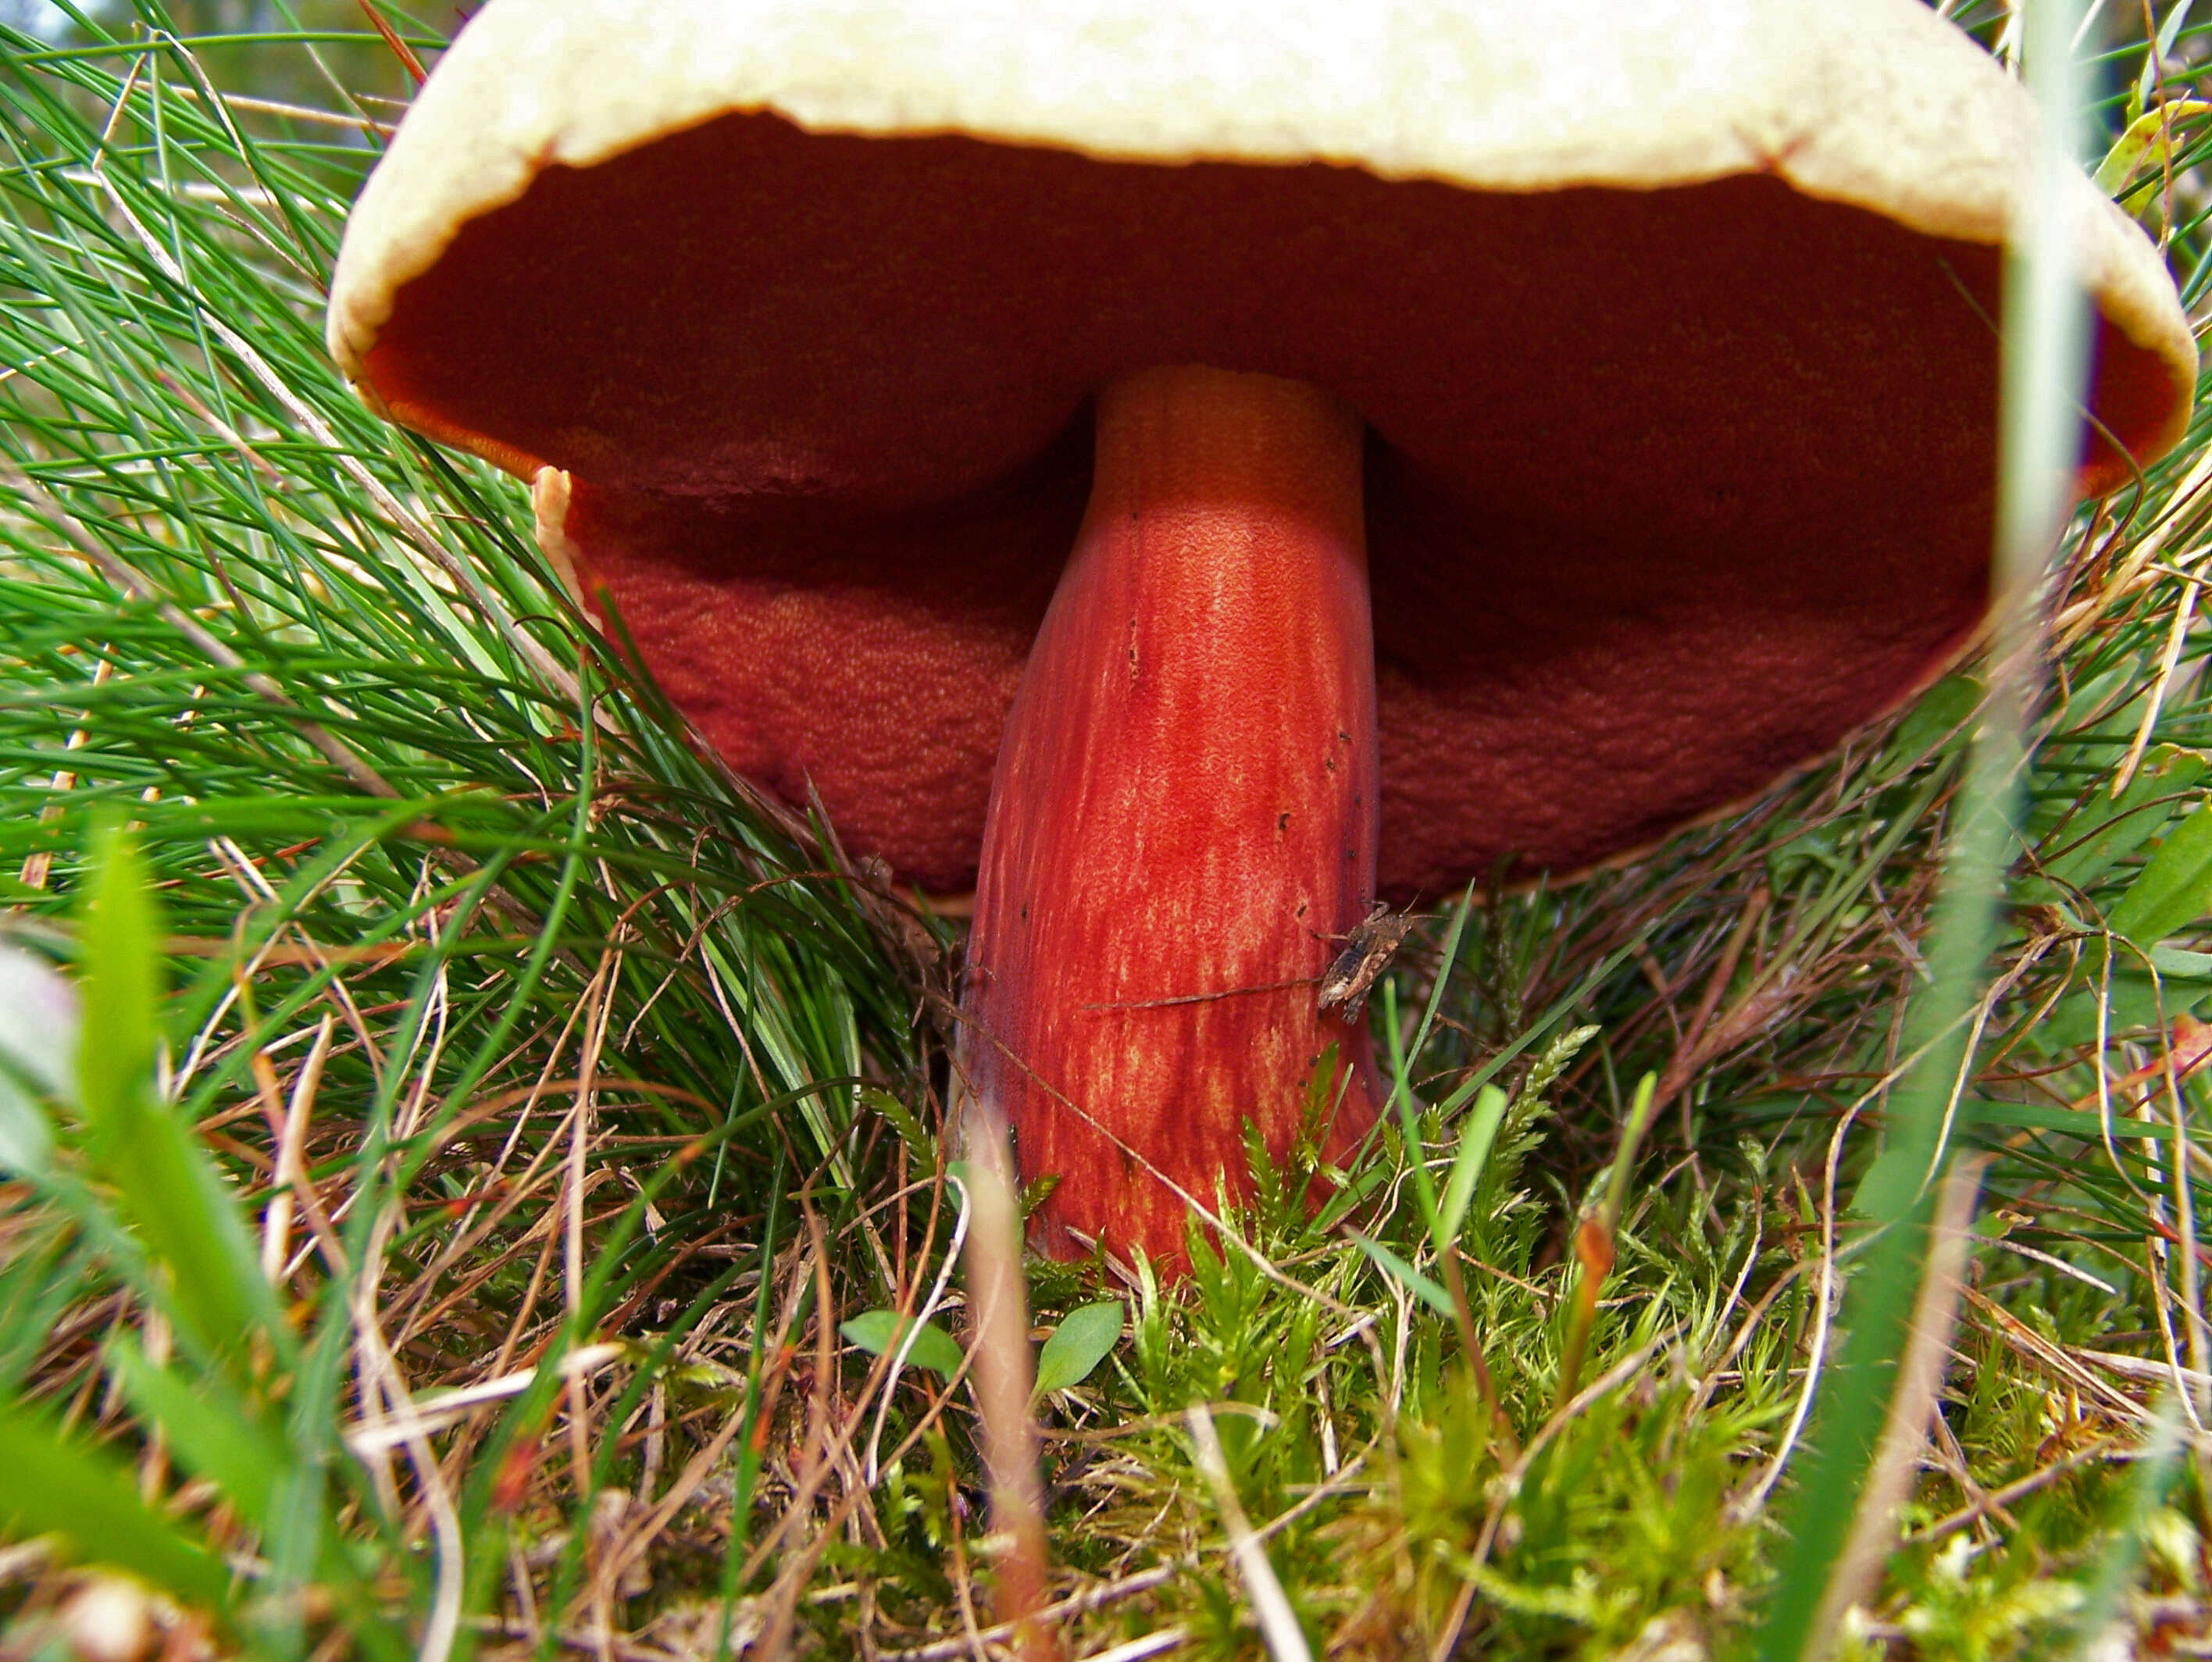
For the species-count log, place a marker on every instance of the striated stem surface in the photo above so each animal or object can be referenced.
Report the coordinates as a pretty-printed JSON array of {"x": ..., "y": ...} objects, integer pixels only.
[{"x": 1184, "y": 819}]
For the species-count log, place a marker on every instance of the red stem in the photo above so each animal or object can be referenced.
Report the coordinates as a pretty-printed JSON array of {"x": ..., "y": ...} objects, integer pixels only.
[{"x": 1184, "y": 805}]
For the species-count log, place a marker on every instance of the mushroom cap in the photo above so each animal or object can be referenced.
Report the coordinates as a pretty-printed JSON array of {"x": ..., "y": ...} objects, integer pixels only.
[{"x": 1673, "y": 325}]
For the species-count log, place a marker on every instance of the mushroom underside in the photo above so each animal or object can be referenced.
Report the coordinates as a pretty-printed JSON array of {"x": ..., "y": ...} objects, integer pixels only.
[{"x": 1667, "y": 491}]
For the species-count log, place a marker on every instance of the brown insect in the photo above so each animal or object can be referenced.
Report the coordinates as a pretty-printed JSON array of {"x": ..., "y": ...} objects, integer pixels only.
[{"x": 1368, "y": 949}]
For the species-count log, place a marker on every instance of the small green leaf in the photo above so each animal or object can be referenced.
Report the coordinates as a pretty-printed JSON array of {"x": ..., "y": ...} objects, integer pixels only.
[
  {"x": 55, "y": 1487},
  {"x": 2174, "y": 889},
  {"x": 2105, "y": 832},
  {"x": 1079, "y": 1344},
  {"x": 2129, "y": 1000},
  {"x": 876, "y": 1331},
  {"x": 2176, "y": 965},
  {"x": 1404, "y": 1274},
  {"x": 1481, "y": 1130},
  {"x": 2147, "y": 141}
]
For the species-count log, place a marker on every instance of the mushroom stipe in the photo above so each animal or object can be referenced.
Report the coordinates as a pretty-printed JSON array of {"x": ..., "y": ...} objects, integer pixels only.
[{"x": 1185, "y": 794}]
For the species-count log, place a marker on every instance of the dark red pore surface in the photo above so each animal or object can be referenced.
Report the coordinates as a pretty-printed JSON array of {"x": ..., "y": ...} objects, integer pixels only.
[{"x": 1666, "y": 491}]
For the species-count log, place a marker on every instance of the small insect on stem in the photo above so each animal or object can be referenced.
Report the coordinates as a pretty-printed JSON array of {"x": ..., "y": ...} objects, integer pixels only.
[{"x": 1368, "y": 949}]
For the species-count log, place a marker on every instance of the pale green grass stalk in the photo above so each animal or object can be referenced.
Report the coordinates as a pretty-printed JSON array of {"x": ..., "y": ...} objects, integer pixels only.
[{"x": 2045, "y": 333}]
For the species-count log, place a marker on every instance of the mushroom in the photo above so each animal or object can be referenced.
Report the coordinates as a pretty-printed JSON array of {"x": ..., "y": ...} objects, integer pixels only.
[{"x": 1632, "y": 365}]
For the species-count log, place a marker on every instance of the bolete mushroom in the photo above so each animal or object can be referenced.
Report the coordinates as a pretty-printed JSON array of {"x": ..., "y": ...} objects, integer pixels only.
[{"x": 1633, "y": 365}]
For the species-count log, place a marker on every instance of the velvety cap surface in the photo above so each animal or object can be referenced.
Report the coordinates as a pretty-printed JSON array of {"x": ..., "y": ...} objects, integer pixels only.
[{"x": 1672, "y": 326}]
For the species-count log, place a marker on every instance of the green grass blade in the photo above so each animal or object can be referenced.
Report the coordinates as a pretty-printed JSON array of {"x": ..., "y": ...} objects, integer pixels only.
[
  {"x": 2044, "y": 362},
  {"x": 1475, "y": 1139},
  {"x": 164, "y": 1183},
  {"x": 209, "y": 1427},
  {"x": 2174, "y": 889},
  {"x": 91, "y": 1502}
]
